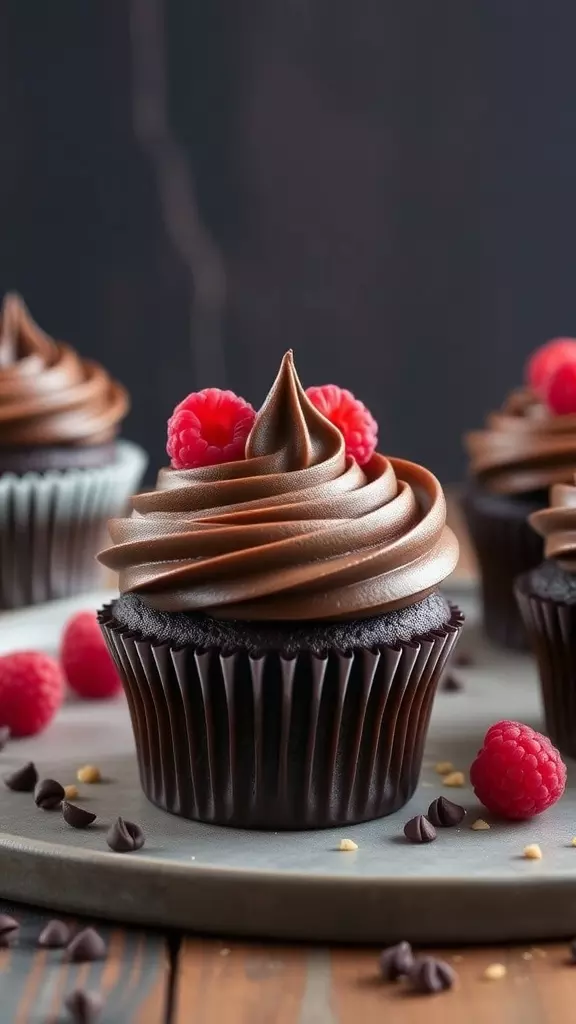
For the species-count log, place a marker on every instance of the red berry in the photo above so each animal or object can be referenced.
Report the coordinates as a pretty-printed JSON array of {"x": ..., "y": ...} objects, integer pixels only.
[
  {"x": 87, "y": 664},
  {"x": 31, "y": 691},
  {"x": 352, "y": 418},
  {"x": 546, "y": 359},
  {"x": 560, "y": 390},
  {"x": 518, "y": 773},
  {"x": 209, "y": 427}
]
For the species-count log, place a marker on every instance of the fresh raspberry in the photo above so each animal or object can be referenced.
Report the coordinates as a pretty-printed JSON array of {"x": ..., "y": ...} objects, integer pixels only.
[
  {"x": 87, "y": 664},
  {"x": 352, "y": 418},
  {"x": 31, "y": 691},
  {"x": 560, "y": 389},
  {"x": 546, "y": 359},
  {"x": 518, "y": 773},
  {"x": 209, "y": 427}
]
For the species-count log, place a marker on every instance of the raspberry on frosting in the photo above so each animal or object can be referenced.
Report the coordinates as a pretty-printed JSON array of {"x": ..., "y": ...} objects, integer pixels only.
[
  {"x": 352, "y": 418},
  {"x": 546, "y": 360},
  {"x": 209, "y": 427},
  {"x": 560, "y": 389}
]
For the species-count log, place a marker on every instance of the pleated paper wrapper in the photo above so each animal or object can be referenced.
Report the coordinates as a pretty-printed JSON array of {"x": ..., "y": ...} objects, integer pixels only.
[
  {"x": 53, "y": 524},
  {"x": 273, "y": 742},
  {"x": 551, "y": 629}
]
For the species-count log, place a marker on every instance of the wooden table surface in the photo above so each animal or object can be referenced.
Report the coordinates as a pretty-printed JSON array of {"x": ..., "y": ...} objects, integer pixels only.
[{"x": 151, "y": 978}]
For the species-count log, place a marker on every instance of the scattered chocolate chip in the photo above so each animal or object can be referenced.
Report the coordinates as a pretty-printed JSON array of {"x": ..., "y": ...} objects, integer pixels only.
[
  {"x": 84, "y": 1007},
  {"x": 23, "y": 779},
  {"x": 86, "y": 945},
  {"x": 4, "y": 736},
  {"x": 431, "y": 975},
  {"x": 451, "y": 684},
  {"x": 125, "y": 836},
  {"x": 463, "y": 659},
  {"x": 9, "y": 929},
  {"x": 55, "y": 935},
  {"x": 75, "y": 816},
  {"x": 419, "y": 830},
  {"x": 396, "y": 961},
  {"x": 444, "y": 813},
  {"x": 48, "y": 794}
]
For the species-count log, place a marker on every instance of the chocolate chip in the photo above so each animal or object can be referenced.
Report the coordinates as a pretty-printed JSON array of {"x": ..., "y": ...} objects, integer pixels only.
[
  {"x": 75, "y": 816},
  {"x": 9, "y": 929},
  {"x": 125, "y": 836},
  {"x": 396, "y": 961},
  {"x": 450, "y": 684},
  {"x": 463, "y": 659},
  {"x": 55, "y": 935},
  {"x": 4, "y": 736},
  {"x": 23, "y": 779},
  {"x": 48, "y": 794},
  {"x": 419, "y": 830},
  {"x": 86, "y": 945},
  {"x": 84, "y": 1007},
  {"x": 431, "y": 975},
  {"x": 444, "y": 813}
]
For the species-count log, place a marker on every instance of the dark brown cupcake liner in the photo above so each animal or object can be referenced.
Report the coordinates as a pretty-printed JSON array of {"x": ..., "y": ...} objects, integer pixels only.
[
  {"x": 52, "y": 525},
  {"x": 274, "y": 742},
  {"x": 551, "y": 630},
  {"x": 505, "y": 548}
]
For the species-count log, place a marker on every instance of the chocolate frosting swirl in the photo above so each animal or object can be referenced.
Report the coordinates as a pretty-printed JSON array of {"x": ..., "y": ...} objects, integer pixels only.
[
  {"x": 49, "y": 395},
  {"x": 557, "y": 525},
  {"x": 523, "y": 447},
  {"x": 296, "y": 531}
]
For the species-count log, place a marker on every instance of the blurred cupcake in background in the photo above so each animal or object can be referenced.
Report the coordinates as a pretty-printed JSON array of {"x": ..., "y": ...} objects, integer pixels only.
[
  {"x": 524, "y": 448},
  {"x": 280, "y": 633},
  {"x": 63, "y": 473},
  {"x": 547, "y": 601}
]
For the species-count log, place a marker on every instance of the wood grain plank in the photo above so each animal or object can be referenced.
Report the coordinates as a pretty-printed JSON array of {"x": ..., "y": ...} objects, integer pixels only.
[
  {"x": 294, "y": 985},
  {"x": 134, "y": 979}
]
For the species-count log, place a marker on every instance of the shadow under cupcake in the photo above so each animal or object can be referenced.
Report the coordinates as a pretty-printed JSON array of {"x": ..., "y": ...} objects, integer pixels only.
[{"x": 279, "y": 634}]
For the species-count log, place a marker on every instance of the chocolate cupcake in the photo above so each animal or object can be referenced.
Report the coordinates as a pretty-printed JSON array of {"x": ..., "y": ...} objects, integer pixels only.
[
  {"x": 62, "y": 471},
  {"x": 523, "y": 449},
  {"x": 279, "y": 634},
  {"x": 547, "y": 601}
]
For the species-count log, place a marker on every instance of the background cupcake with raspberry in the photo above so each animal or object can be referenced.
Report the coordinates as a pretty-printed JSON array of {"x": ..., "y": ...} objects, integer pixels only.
[
  {"x": 63, "y": 473},
  {"x": 524, "y": 448},
  {"x": 547, "y": 601},
  {"x": 280, "y": 634}
]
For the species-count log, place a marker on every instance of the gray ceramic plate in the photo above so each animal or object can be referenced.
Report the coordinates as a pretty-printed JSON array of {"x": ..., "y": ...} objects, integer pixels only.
[{"x": 466, "y": 886}]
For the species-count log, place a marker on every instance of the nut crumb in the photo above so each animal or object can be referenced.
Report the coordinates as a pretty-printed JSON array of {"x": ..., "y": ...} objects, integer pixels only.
[
  {"x": 347, "y": 845},
  {"x": 527, "y": 956},
  {"x": 532, "y": 852},
  {"x": 89, "y": 773},
  {"x": 480, "y": 825},
  {"x": 225, "y": 951},
  {"x": 71, "y": 792},
  {"x": 495, "y": 972},
  {"x": 454, "y": 779},
  {"x": 573, "y": 842},
  {"x": 444, "y": 767}
]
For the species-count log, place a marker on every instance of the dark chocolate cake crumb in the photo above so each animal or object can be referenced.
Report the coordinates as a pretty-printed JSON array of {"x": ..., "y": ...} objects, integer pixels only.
[
  {"x": 84, "y": 1007},
  {"x": 125, "y": 836},
  {"x": 9, "y": 929},
  {"x": 463, "y": 659},
  {"x": 75, "y": 816},
  {"x": 419, "y": 830},
  {"x": 451, "y": 684},
  {"x": 396, "y": 961},
  {"x": 87, "y": 945},
  {"x": 55, "y": 935},
  {"x": 444, "y": 813},
  {"x": 203, "y": 632},
  {"x": 23, "y": 780},
  {"x": 48, "y": 794},
  {"x": 430, "y": 975}
]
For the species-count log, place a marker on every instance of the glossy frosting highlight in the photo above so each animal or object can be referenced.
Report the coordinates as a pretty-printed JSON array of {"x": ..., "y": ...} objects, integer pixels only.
[
  {"x": 557, "y": 525},
  {"x": 296, "y": 531},
  {"x": 49, "y": 395}
]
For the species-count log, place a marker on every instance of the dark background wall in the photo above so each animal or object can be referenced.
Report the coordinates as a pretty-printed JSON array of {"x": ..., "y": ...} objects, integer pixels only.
[{"x": 187, "y": 188}]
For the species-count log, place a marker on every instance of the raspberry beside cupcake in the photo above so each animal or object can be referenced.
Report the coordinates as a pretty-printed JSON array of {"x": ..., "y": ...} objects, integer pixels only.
[
  {"x": 279, "y": 633},
  {"x": 62, "y": 471}
]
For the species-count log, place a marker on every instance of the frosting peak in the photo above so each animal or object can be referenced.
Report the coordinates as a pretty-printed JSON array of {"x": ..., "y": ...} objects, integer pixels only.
[
  {"x": 295, "y": 531},
  {"x": 49, "y": 395},
  {"x": 557, "y": 525}
]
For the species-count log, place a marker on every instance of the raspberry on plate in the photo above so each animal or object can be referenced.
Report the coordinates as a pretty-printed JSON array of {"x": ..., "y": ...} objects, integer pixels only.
[
  {"x": 31, "y": 691},
  {"x": 546, "y": 360},
  {"x": 352, "y": 418},
  {"x": 85, "y": 659},
  {"x": 209, "y": 427},
  {"x": 517, "y": 773}
]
